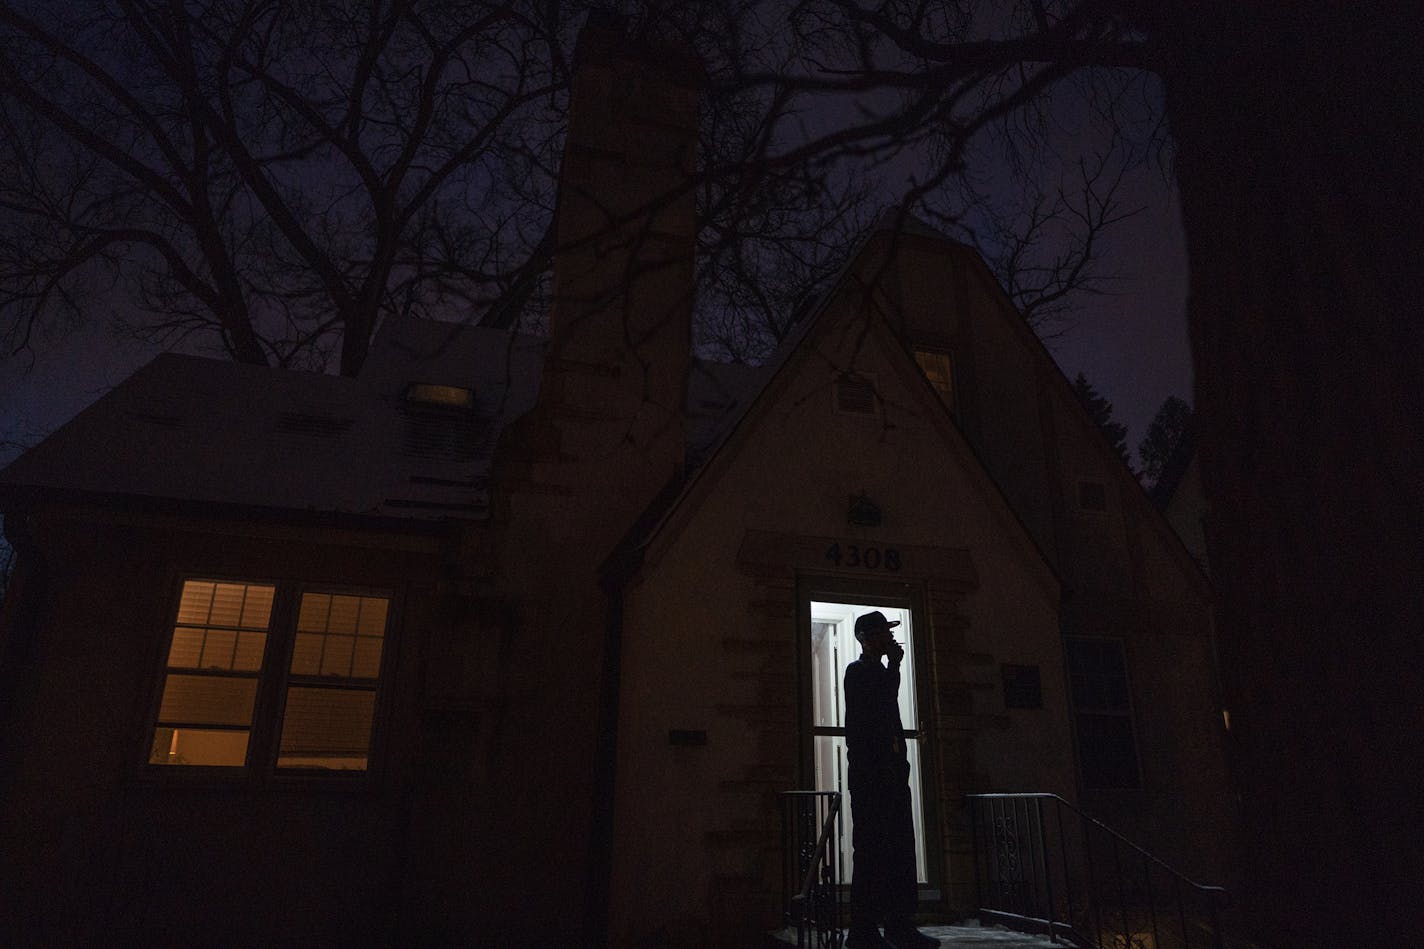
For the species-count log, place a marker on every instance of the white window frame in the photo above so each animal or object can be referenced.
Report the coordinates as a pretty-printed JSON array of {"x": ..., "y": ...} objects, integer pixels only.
[{"x": 274, "y": 678}]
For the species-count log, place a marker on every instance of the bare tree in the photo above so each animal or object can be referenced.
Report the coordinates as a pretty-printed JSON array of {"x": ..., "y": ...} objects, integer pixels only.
[
  {"x": 1288, "y": 126},
  {"x": 280, "y": 175}
]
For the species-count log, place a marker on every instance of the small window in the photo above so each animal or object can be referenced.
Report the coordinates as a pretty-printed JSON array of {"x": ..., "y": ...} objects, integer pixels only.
[
  {"x": 855, "y": 394},
  {"x": 1022, "y": 686},
  {"x": 224, "y": 651},
  {"x": 452, "y": 397},
  {"x": 1092, "y": 496},
  {"x": 939, "y": 370},
  {"x": 1107, "y": 750}
]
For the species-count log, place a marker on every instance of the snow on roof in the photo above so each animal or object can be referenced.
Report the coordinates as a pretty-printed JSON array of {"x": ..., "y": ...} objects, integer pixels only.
[{"x": 187, "y": 428}]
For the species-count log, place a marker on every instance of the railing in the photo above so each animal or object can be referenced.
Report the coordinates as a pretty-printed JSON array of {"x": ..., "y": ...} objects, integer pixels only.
[
  {"x": 1044, "y": 866},
  {"x": 811, "y": 866}
]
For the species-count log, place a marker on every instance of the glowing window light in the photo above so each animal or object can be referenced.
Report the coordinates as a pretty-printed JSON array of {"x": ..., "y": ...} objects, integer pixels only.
[{"x": 452, "y": 397}]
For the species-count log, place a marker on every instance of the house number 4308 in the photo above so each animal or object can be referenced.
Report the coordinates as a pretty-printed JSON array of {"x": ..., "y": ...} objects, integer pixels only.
[{"x": 871, "y": 558}]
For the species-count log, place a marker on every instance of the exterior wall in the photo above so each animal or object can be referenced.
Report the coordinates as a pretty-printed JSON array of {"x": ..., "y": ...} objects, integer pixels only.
[
  {"x": 95, "y": 852},
  {"x": 1124, "y": 574},
  {"x": 711, "y": 640},
  {"x": 1188, "y": 510},
  {"x": 1120, "y": 573}
]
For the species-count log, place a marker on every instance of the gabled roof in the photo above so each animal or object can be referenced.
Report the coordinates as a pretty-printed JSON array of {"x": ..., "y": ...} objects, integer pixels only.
[
  {"x": 191, "y": 429},
  {"x": 749, "y": 391}
]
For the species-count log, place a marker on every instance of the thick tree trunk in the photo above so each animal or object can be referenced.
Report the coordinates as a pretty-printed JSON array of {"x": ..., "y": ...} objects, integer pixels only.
[{"x": 1300, "y": 172}]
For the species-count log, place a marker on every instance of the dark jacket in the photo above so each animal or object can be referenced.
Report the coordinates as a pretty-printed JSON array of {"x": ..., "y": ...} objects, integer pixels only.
[{"x": 875, "y": 744}]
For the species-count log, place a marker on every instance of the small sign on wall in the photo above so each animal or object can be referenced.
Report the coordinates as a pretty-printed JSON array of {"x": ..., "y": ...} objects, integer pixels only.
[{"x": 1023, "y": 687}]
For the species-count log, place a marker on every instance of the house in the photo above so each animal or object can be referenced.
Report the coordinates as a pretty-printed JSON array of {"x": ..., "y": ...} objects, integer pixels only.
[{"x": 513, "y": 641}]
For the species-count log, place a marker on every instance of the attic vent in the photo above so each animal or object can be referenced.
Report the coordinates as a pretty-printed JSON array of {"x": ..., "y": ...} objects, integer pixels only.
[
  {"x": 452, "y": 397},
  {"x": 855, "y": 394},
  {"x": 316, "y": 426},
  {"x": 440, "y": 435}
]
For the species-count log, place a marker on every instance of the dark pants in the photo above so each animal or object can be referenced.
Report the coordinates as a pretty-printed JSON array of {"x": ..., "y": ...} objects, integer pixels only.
[{"x": 882, "y": 887}]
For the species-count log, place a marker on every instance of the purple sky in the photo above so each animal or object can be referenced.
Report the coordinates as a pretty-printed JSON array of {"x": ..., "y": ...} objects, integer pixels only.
[{"x": 1131, "y": 344}]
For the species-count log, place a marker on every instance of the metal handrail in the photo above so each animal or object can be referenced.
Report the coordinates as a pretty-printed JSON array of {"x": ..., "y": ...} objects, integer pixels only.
[
  {"x": 1029, "y": 887},
  {"x": 1204, "y": 887},
  {"x": 833, "y": 810},
  {"x": 820, "y": 880}
]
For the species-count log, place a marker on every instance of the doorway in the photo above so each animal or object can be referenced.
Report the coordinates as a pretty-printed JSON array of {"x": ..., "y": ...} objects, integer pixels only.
[{"x": 832, "y": 647}]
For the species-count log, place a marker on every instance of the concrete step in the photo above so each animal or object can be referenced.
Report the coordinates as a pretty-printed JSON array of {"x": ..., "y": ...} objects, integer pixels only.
[{"x": 967, "y": 935}]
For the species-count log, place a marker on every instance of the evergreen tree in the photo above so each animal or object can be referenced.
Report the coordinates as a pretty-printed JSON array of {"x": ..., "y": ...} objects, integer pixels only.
[
  {"x": 1101, "y": 411},
  {"x": 1165, "y": 436}
]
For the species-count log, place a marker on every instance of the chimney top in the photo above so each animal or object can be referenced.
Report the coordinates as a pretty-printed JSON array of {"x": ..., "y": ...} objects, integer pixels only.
[{"x": 607, "y": 37}]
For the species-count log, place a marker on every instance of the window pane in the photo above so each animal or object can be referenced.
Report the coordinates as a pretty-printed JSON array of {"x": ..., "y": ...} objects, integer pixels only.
[
  {"x": 207, "y": 700},
  {"x": 939, "y": 371},
  {"x": 343, "y": 614},
  {"x": 197, "y": 599},
  {"x": 249, "y": 651},
  {"x": 326, "y": 728},
  {"x": 217, "y": 651},
  {"x": 227, "y": 604},
  {"x": 336, "y": 659},
  {"x": 186, "y": 649},
  {"x": 199, "y": 746},
  {"x": 367, "y": 664},
  {"x": 312, "y": 618},
  {"x": 373, "y": 616},
  {"x": 306, "y": 654},
  {"x": 257, "y": 610}
]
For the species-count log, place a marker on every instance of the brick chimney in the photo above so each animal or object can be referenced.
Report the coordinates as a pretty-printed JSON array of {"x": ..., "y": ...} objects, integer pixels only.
[
  {"x": 570, "y": 479},
  {"x": 615, "y": 380}
]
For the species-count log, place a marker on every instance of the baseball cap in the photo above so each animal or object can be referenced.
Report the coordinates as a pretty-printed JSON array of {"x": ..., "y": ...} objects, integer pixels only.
[{"x": 871, "y": 623}]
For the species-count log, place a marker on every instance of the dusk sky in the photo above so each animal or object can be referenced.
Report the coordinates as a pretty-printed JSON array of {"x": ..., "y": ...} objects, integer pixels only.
[{"x": 1131, "y": 343}]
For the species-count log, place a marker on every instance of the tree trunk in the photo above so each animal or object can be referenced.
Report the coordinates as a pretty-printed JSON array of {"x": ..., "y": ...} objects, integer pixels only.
[{"x": 1299, "y": 165}]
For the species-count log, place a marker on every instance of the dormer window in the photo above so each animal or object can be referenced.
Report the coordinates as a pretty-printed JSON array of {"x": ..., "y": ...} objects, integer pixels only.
[
  {"x": 440, "y": 396},
  {"x": 939, "y": 370}
]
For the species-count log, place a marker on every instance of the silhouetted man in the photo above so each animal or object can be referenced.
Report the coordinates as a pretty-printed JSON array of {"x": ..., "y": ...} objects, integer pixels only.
[{"x": 883, "y": 885}]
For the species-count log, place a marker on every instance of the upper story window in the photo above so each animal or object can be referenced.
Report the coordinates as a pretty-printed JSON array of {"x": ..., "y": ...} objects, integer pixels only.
[
  {"x": 1107, "y": 750},
  {"x": 939, "y": 370},
  {"x": 239, "y": 679}
]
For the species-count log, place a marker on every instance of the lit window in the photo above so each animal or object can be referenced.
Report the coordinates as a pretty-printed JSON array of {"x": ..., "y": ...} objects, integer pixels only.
[
  {"x": 454, "y": 397},
  {"x": 210, "y": 684},
  {"x": 331, "y": 693},
  {"x": 939, "y": 370},
  {"x": 219, "y": 662},
  {"x": 1107, "y": 751}
]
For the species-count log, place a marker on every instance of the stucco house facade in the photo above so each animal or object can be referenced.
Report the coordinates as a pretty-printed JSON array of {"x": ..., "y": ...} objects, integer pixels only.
[{"x": 514, "y": 640}]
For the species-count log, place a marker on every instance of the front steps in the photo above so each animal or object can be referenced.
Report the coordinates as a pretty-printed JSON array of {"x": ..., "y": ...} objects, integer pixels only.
[{"x": 966, "y": 935}]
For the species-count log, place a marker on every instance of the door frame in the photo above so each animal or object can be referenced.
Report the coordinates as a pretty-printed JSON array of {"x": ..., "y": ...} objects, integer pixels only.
[{"x": 897, "y": 594}]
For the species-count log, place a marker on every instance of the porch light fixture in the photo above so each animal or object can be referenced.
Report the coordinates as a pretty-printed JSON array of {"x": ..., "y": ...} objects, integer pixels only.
[{"x": 863, "y": 511}]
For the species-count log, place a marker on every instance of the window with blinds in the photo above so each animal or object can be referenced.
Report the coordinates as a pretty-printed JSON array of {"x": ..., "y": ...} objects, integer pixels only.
[
  {"x": 331, "y": 690},
  {"x": 229, "y": 648},
  {"x": 210, "y": 684}
]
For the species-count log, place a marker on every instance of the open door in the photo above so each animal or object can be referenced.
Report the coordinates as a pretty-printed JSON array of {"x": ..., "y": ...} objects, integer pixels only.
[{"x": 833, "y": 647}]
